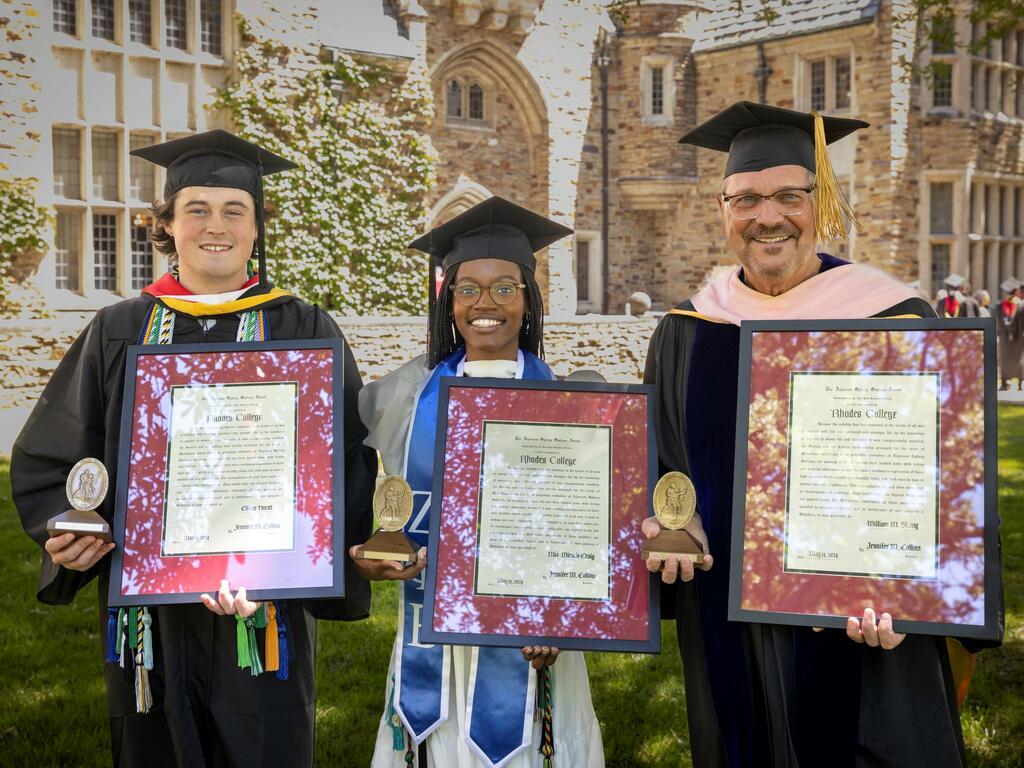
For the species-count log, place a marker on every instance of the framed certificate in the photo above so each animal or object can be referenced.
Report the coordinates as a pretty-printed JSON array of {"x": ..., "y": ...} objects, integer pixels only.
[
  {"x": 866, "y": 475},
  {"x": 535, "y": 538},
  {"x": 227, "y": 469}
]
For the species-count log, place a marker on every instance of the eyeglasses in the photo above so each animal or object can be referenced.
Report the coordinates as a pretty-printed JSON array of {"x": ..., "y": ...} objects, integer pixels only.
[
  {"x": 468, "y": 294},
  {"x": 788, "y": 202}
]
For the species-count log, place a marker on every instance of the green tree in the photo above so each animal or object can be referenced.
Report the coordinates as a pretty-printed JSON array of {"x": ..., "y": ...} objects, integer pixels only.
[
  {"x": 344, "y": 217},
  {"x": 22, "y": 224}
]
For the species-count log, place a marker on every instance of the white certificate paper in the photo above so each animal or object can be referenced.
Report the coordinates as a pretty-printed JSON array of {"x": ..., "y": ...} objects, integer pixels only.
[
  {"x": 862, "y": 489},
  {"x": 544, "y": 521},
  {"x": 231, "y": 469}
]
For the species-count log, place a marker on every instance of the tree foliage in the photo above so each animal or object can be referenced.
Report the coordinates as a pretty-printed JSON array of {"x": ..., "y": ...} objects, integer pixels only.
[
  {"x": 345, "y": 215},
  {"x": 22, "y": 224}
]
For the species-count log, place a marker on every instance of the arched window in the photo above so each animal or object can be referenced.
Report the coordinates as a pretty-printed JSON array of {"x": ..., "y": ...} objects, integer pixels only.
[
  {"x": 454, "y": 98},
  {"x": 476, "y": 102}
]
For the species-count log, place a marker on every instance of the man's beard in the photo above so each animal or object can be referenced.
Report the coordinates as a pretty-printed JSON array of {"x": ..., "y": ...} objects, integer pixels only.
[{"x": 784, "y": 269}]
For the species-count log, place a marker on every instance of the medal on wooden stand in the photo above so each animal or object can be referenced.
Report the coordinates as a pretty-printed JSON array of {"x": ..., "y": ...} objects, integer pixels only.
[
  {"x": 86, "y": 488},
  {"x": 675, "y": 500},
  {"x": 392, "y": 508}
]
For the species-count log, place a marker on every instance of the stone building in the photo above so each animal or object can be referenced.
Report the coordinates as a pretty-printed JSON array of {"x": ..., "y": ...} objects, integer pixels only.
[{"x": 572, "y": 107}]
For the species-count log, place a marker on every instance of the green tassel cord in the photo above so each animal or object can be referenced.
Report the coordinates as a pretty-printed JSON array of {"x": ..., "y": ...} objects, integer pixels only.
[
  {"x": 245, "y": 639},
  {"x": 545, "y": 701}
]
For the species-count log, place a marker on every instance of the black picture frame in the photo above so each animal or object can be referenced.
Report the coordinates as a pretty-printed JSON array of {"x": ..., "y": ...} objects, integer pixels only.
[
  {"x": 134, "y": 352},
  {"x": 990, "y": 630},
  {"x": 652, "y": 643}
]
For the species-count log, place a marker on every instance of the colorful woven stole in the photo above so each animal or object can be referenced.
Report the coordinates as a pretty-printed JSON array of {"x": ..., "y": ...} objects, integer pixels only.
[
  {"x": 501, "y": 685},
  {"x": 129, "y": 630}
]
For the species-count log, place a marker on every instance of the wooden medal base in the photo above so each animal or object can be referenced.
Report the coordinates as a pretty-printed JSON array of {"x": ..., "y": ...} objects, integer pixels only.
[
  {"x": 679, "y": 543},
  {"x": 390, "y": 545},
  {"x": 81, "y": 523}
]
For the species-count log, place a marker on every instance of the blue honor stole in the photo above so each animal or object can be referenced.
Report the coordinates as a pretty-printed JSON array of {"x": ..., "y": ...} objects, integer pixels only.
[{"x": 501, "y": 687}]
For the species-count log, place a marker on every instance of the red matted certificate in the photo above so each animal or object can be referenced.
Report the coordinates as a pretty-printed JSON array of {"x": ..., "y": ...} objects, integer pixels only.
[
  {"x": 227, "y": 470},
  {"x": 540, "y": 489},
  {"x": 865, "y": 475}
]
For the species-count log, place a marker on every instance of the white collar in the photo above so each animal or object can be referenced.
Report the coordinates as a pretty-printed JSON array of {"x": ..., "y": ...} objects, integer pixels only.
[{"x": 492, "y": 369}]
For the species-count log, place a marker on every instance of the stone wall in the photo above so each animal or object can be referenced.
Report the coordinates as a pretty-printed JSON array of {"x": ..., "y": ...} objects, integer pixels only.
[
  {"x": 20, "y": 88},
  {"x": 615, "y": 346}
]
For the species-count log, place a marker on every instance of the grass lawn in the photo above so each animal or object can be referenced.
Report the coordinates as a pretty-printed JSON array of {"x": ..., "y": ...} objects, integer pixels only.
[{"x": 53, "y": 712}]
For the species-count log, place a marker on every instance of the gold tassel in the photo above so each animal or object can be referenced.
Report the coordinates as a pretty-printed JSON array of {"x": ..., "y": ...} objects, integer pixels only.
[
  {"x": 832, "y": 212},
  {"x": 270, "y": 640}
]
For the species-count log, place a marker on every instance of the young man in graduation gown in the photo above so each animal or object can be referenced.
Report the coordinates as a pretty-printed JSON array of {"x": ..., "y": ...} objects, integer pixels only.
[
  {"x": 763, "y": 694},
  {"x": 205, "y": 710}
]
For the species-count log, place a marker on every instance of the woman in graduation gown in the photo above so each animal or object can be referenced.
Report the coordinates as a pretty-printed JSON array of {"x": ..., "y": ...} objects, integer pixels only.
[
  {"x": 205, "y": 710},
  {"x": 487, "y": 321}
]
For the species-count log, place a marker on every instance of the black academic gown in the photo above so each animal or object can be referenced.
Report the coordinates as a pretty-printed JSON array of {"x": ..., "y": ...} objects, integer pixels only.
[
  {"x": 769, "y": 695},
  {"x": 207, "y": 711}
]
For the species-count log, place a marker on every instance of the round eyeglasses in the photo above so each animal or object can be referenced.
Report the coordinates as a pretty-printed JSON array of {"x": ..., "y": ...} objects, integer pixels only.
[
  {"x": 788, "y": 202},
  {"x": 468, "y": 294}
]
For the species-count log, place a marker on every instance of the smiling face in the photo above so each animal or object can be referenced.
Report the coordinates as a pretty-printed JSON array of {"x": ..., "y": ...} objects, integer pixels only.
[
  {"x": 777, "y": 252},
  {"x": 214, "y": 229},
  {"x": 491, "y": 331}
]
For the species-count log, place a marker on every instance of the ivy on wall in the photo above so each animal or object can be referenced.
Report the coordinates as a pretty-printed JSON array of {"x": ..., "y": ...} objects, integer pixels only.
[
  {"x": 345, "y": 216},
  {"x": 22, "y": 226}
]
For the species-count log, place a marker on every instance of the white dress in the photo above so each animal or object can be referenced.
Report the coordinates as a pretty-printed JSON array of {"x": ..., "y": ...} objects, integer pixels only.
[{"x": 385, "y": 407}]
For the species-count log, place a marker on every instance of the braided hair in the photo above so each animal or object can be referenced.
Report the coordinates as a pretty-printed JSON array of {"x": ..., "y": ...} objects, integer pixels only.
[{"x": 443, "y": 337}]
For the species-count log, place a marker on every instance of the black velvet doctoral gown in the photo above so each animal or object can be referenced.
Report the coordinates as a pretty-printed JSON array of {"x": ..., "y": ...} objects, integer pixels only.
[
  {"x": 207, "y": 711},
  {"x": 769, "y": 695}
]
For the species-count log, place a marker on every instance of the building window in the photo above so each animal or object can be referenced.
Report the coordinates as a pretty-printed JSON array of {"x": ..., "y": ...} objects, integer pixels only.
[
  {"x": 68, "y": 252},
  {"x": 65, "y": 17},
  {"x": 67, "y": 163},
  {"x": 140, "y": 21},
  {"x": 105, "y": 166},
  {"x": 818, "y": 85},
  {"x": 657, "y": 85},
  {"x": 589, "y": 287},
  {"x": 996, "y": 72},
  {"x": 476, "y": 102},
  {"x": 941, "y": 199},
  {"x": 583, "y": 271},
  {"x": 142, "y": 174},
  {"x": 210, "y": 28},
  {"x": 454, "y": 98},
  {"x": 995, "y": 232},
  {"x": 149, "y": 83},
  {"x": 103, "y": 19},
  {"x": 658, "y": 91},
  {"x": 942, "y": 84},
  {"x": 104, "y": 251},
  {"x": 142, "y": 253},
  {"x": 829, "y": 84},
  {"x": 176, "y": 24}
]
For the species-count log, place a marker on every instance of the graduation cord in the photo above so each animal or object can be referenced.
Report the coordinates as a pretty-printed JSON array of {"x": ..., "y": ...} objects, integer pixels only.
[{"x": 545, "y": 701}]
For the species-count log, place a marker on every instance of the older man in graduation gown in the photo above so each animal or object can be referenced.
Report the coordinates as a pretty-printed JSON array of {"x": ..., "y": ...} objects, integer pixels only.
[
  {"x": 763, "y": 694},
  {"x": 206, "y": 711}
]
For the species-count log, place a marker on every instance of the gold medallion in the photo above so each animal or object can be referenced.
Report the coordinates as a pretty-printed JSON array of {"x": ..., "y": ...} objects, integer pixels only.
[
  {"x": 86, "y": 486},
  {"x": 675, "y": 500},
  {"x": 392, "y": 503}
]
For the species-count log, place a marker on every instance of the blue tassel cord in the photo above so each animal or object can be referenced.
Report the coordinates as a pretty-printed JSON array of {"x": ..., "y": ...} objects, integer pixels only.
[{"x": 282, "y": 643}]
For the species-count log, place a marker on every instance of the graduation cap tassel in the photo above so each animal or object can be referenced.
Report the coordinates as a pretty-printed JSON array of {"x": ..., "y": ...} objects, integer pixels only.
[
  {"x": 832, "y": 211},
  {"x": 143, "y": 694},
  {"x": 147, "y": 639},
  {"x": 272, "y": 662},
  {"x": 282, "y": 644},
  {"x": 261, "y": 227},
  {"x": 111, "y": 634}
]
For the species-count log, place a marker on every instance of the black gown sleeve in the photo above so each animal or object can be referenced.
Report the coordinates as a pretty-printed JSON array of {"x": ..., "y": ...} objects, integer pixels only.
[
  {"x": 360, "y": 479},
  {"x": 66, "y": 425}
]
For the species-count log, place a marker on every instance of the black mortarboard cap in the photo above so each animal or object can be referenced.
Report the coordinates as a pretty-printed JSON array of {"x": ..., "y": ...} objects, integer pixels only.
[
  {"x": 218, "y": 159},
  {"x": 759, "y": 136},
  {"x": 493, "y": 229}
]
